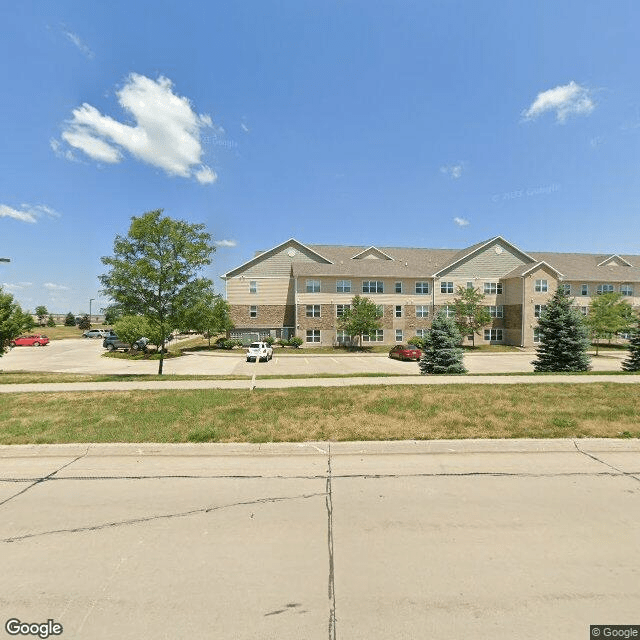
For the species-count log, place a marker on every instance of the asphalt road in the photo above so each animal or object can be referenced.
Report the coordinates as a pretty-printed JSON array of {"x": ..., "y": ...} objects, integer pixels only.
[
  {"x": 372, "y": 541},
  {"x": 84, "y": 356}
]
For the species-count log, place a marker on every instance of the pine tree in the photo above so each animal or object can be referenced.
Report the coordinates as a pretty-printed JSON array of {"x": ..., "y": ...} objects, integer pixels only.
[
  {"x": 442, "y": 352},
  {"x": 70, "y": 320},
  {"x": 564, "y": 337},
  {"x": 632, "y": 361}
]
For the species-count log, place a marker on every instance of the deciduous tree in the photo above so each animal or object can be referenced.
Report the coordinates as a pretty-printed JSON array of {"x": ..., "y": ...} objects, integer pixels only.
[
  {"x": 154, "y": 270},
  {"x": 13, "y": 321},
  {"x": 470, "y": 314},
  {"x": 41, "y": 313},
  {"x": 210, "y": 315},
  {"x": 608, "y": 315},
  {"x": 362, "y": 318}
]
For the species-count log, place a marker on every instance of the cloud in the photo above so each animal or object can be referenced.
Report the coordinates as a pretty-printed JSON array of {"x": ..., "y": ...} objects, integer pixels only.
[
  {"x": 244, "y": 127},
  {"x": 84, "y": 49},
  {"x": 565, "y": 100},
  {"x": 166, "y": 133},
  {"x": 60, "y": 152},
  {"x": 226, "y": 243},
  {"x": 454, "y": 171},
  {"x": 27, "y": 212},
  {"x": 461, "y": 222},
  {"x": 55, "y": 287},
  {"x": 16, "y": 286}
]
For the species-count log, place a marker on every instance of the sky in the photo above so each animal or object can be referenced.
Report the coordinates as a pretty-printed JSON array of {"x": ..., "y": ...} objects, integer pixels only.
[{"x": 424, "y": 123}]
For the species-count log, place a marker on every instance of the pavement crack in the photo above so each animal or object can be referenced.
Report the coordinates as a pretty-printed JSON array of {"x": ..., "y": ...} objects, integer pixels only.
[
  {"x": 166, "y": 516},
  {"x": 45, "y": 478},
  {"x": 331, "y": 581},
  {"x": 606, "y": 464}
]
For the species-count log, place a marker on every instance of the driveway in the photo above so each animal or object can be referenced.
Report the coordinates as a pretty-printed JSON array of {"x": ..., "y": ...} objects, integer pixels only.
[
  {"x": 355, "y": 541},
  {"x": 85, "y": 356}
]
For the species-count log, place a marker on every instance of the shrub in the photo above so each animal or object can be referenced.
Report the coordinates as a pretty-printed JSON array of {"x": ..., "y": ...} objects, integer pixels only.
[
  {"x": 84, "y": 323},
  {"x": 283, "y": 342},
  {"x": 269, "y": 340},
  {"x": 295, "y": 342},
  {"x": 51, "y": 322},
  {"x": 416, "y": 341}
]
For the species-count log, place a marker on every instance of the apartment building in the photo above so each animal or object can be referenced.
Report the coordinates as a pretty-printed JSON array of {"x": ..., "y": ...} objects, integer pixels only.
[{"x": 297, "y": 289}]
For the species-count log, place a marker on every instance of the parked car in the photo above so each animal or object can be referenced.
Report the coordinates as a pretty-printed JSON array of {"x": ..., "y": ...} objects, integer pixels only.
[
  {"x": 259, "y": 351},
  {"x": 30, "y": 341},
  {"x": 95, "y": 333},
  {"x": 405, "y": 352},
  {"x": 113, "y": 343}
]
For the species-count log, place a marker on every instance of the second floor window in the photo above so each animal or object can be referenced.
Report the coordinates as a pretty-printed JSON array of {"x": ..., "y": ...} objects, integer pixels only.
[
  {"x": 341, "y": 309},
  {"x": 422, "y": 311},
  {"x": 539, "y": 310},
  {"x": 398, "y": 311},
  {"x": 422, "y": 287},
  {"x": 313, "y": 311},
  {"x": 253, "y": 311},
  {"x": 372, "y": 286},
  {"x": 496, "y": 312},
  {"x": 541, "y": 286},
  {"x": 313, "y": 286},
  {"x": 446, "y": 287}
]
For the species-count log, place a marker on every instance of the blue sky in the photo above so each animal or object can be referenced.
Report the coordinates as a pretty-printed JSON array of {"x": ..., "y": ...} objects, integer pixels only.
[{"x": 421, "y": 123}]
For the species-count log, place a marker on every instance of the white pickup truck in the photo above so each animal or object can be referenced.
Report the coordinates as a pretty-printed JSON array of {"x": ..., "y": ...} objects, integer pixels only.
[{"x": 259, "y": 351}]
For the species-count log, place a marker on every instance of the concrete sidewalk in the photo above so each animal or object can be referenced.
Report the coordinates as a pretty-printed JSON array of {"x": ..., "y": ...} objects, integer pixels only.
[
  {"x": 290, "y": 383},
  {"x": 443, "y": 539}
]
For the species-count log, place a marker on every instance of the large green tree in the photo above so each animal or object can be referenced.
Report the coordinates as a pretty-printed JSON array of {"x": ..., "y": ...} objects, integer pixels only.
[
  {"x": 362, "y": 318},
  {"x": 154, "y": 270},
  {"x": 608, "y": 315},
  {"x": 41, "y": 314},
  {"x": 470, "y": 314},
  {"x": 69, "y": 320},
  {"x": 564, "y": 337},
  {"x": 13, "y": 321},
  {"x": 131, "y": 328},
  {"x": 632, "y": 361},
  {"x": 441, "y": 348}
]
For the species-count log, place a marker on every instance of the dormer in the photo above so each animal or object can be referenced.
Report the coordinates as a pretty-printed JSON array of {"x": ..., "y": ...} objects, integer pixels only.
[
  {"x": 615, "y": 261},
  {"x": 372, "y": 253}
]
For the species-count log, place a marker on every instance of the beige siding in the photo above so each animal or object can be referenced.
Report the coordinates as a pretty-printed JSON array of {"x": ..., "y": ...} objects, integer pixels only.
[
  {"x": 279, "y": 263},
  {"x": 532, "y": 298},
  {"x": 270, "y": 291},
  {"x": 486, "y": 264}
]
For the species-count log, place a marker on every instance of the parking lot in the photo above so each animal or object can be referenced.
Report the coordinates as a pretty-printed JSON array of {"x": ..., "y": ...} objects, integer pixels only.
[{"x": 85, "y": 356}]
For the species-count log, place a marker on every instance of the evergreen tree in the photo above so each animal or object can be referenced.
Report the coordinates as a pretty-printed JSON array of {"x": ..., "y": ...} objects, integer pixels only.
[
  {"x": 84, "y": 323},
  {"x": 564, "y": 337},
  {"x": 51, "y": 322},
  {"x": 442, "y": 352},
  {"x": 70, "y": 320},
  {"x": 632, "y": 361}
]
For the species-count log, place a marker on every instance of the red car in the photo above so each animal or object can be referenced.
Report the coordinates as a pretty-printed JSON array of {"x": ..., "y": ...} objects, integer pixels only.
[
  {"x": 404, "y": 352},
  {"x": 30, "y": 341}
]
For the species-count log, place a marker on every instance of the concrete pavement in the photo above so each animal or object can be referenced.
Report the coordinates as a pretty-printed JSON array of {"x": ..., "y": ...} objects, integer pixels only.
[{"x": 445, "y": 539}]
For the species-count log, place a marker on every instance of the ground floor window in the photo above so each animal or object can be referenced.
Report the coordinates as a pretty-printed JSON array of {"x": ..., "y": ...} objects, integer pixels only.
[
  {"x": 376, "y": 336},
  {"x": 313, "y": 335},
  {"x": 537, "y": 335},
  {"x": 398, "y": 335},
  {"x": 493, "y": 335},
  {"x": 342, "y": 337},
  {"x": 253, "y": 311},
  {"x": 421, "y": 333}
]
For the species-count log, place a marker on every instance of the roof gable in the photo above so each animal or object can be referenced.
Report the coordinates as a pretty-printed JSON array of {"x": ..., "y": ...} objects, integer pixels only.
[
  {"x": 614, "y": 261},
  {"x": 372, "y": 253}
]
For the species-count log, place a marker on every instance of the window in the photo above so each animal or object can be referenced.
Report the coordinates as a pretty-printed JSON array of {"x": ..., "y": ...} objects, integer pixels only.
[
  {"x": 342, "y": 337},
  {"x": 379, "y": 311},
  {"x": 537, "y": 335},
  {"x": 253, "y": 287},
  {"x": 372, "y": 286},
  {"x": 313, "y": 311},
  {"x": 313, "y": 335},
  {"x": 584, "y": 311},
  {"x": 626, "y": 289},
  {"x": 398, "y": 287},
  {"x": 584, "y": 290},
  {"x": 421, "y": 333},
  {"x": 604, "y": 288},
  {"x": 313, "y": 286},
  {"x": 449, "y": 311},
  {"x": 422, "y": 288},
  {"x": 253, "y": 311},
  {"x": 398, "y": 311},
  {"x": 496, "y": 312},
  {"x": 539, "y": 310},
  {"x": 376, "y": 336},
  {"x": 341, "y": 309},
  {"x": 566, "y": 287},
  {"x": 422, "y": 311},
  {"x": 446, "y": 287},
  {"x": 398, "y": 335},
  {"x": 492, "y": 288},
  {"x": 470, "y": 285},
  {"x": 493, "y": 335},
  {"x": 343, "y": 286},
  {"x": 541, "y": 286}
]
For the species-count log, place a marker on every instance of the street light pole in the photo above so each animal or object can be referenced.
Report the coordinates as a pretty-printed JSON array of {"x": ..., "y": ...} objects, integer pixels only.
[{"x": 90, "y": 301}]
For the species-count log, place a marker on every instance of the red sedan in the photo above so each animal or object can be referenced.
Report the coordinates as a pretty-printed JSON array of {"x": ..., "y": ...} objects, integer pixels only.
[
  {"x": 30, "y": 341},
  {"x": 404, "y": 352}
]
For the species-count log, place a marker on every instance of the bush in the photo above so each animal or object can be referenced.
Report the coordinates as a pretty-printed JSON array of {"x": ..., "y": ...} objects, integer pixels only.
[
  {"x": 227, "y": 343},
  {"x": 269, "y": 340},
  {"x": 295, "y": 342},
  {"x": 51, "y": 322},
  {"x": 84, "y": 323},
  {"x": 283, "y": 342},
  {"x": 416, "y": 341}
]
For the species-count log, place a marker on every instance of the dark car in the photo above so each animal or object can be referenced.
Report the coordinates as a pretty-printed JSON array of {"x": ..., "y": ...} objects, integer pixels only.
[
  {"x": 113, "y": 343},
  {"x": 405, "y": 352}
]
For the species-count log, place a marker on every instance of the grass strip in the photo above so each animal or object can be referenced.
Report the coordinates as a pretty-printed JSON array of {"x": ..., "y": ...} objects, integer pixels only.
[{"x": 605, "y": 410}]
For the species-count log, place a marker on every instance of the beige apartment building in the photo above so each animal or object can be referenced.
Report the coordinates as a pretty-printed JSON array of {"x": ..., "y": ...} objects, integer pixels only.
[{"x": 302, "y": 290}]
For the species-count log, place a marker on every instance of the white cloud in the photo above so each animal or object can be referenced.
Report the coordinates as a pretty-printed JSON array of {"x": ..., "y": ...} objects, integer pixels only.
[
  {"x": 60, "y": 152},
  {"x": 166, "y": 133},
  {"x": 454, "y": 171},
  {"x": 226, "y": 243},
  {"x": 565, "y": 100},
  {"x": 55, "y": 287},
  {"x": 27, "y": 212},
  {"x": 244, "y": 127},
  {"x": 461, "y": 222},
  {"x": 84, "y": 49},
  {"x": 16, "y": 286}
]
